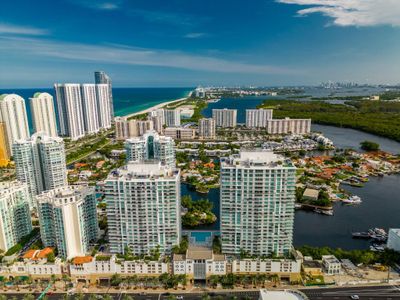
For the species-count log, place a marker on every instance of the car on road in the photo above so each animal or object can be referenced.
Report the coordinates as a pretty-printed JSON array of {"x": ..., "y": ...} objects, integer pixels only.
[
  {"x": 355, "y": 297},
  {"x": 179, "y": 297}
]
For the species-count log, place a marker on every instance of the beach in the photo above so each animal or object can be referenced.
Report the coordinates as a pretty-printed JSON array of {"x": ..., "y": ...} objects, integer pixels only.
[{"x": 161, "y": 105}]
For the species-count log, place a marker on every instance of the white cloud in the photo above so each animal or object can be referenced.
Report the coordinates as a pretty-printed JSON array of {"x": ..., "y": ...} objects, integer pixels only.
[
  {"x": 126, "y": 55},
  {"x": 10, "y": 29},
  {"x": 195, "y": 35},
  {"x": 99, "y": 5},
  {"x": 353, "y": 12}
]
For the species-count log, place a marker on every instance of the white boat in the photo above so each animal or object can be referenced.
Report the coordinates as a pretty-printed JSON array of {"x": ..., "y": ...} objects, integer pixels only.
[{"x": 352, "y": 200}]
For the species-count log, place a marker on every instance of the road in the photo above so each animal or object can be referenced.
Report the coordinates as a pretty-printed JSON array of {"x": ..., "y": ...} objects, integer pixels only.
[{"x": 367, "y": 293}]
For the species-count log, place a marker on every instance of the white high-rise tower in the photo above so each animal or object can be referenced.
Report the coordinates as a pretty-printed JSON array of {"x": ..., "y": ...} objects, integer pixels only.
[
  {"x": 13, "y": 114},
  {"x": 43, "y": 114},
  {"x": 257, "y": 203},
  {"x": 40, "y": 163},
  {"x": 143, "y": 208}
]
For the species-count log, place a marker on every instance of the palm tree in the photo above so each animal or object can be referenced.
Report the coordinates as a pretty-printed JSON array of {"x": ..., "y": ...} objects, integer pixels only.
[
  {"x": 205, "y": 297},
  {"x": 2, "y": 297},
  {"x": 93, "y": 297},
  {"x": 29, "y": 297},
  {"x": 127, "y": 297},
  {"x": 107, "y": 297}
]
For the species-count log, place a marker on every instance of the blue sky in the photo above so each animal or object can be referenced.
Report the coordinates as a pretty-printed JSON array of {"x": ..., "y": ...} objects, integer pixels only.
[{"x": 207, "y": 42}]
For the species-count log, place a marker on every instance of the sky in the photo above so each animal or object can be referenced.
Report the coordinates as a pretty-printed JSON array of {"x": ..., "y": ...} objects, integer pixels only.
[{"x": 160, "y": 43}]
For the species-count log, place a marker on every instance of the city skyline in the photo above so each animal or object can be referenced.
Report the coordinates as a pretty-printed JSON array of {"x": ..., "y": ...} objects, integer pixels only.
[{"x": 283, "y": 42}]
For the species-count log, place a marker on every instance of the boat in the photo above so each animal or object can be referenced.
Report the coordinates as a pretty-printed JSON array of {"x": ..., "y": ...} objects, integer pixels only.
[
  {"x": 298, "y": 206},
  {"x": 352, "y": 200},
  {"x": 324, "y": 212},
  {"x": 377, "y": 248},
  {"x": 361, "y": 235}
]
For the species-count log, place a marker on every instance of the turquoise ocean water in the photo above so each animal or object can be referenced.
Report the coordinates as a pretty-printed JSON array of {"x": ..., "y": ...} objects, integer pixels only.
[{"x": 126, "y": 100}]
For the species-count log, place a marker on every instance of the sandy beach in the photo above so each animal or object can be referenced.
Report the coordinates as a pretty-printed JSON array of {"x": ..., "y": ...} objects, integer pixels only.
[{"x": 161, "y": 105}]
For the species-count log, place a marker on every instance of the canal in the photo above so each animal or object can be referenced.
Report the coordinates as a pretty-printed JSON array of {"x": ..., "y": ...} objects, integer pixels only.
[{"x": 381, "y": 196}]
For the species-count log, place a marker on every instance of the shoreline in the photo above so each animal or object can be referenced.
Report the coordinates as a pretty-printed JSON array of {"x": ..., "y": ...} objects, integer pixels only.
[{"x": 160, "y": 105}]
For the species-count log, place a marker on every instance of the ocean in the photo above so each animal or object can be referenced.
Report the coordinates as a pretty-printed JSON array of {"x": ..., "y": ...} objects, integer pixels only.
[{"x": 126, "y": 100}]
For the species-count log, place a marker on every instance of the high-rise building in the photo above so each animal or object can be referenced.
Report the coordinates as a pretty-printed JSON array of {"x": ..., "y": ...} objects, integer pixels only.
[
  {"x": 257, "y": 203},
  {"x": 151, "y": 146},
  {"x": 68, "y": 219},
  {"x": 100, "y": 77},
  {"x": 90, "y": 108},
  {"x": 143, "y": 208},
  {"x": 225, "y": 117},
  {"x": 258, "y": 118},
  {"x": 207, "y": 128},
  {"x": 40, "y": 163},
  {"x": 15, "y": 217},
  {"x": 103, "y": 106},
  {"x": 287, "y": 125},
  {"x": 13, "y": 114},
  {"x": 70, "y": 110},
  {"x": 172, "y": 117},
  {"x": 4, "y": 146},
  {"x": 125, "y": 128},
  {"x": 43, "y": 114}
]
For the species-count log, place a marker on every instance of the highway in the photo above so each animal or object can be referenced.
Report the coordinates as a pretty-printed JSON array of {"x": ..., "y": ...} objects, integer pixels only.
[{"x": 364, "y": 293}]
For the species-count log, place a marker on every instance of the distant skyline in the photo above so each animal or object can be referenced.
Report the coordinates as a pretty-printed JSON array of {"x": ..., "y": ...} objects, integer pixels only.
[{"x": 185, "y": 43}]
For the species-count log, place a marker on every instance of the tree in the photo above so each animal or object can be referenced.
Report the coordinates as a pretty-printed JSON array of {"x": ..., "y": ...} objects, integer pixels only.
[
  {"x": 369, "y": 146},
  {"x": 127, "y": 297}
]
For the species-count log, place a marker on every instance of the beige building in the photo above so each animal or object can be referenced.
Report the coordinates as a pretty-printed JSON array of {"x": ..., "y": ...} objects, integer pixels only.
[
  {"x": 179, "y": 133},
  {"x": 4, "y": 147},
  {"x": 207, "y": 128},
  {"x": 287, "y": 125},
  {"x": 125, "y": 129}
]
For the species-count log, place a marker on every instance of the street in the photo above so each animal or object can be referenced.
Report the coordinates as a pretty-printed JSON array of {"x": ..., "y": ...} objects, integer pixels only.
[{"x": 367, "y": 293}]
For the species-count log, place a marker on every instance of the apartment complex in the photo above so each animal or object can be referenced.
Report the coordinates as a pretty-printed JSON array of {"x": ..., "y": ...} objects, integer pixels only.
[
  {"x": 257, "y": 203},
  {"x": 172, "y": 117},
  {"x": 143, "y": 208},
  {"x": 225, "y": 117},
  {"x": 70, "y": 110},
  {"x": 83, "y": 109},
  {"x": 100, "y": 77},
  {"x": 5, "y": 154},
  {"x": 43, "y": 114},
  {"x": 151, "y": 146},
  {"x": 258, "y": 118},
  {"x": 207, "y": 128},
  {"x": 40, "y": 163},
  {"x": 13, "y": 114},
  {"x": 287, "y": 125},
  {"x": 180, "y": 133},
  {"x": 125, "y": 129},
  {"x": 68, "y": 219},
  {"x": 15, "y": 217}
]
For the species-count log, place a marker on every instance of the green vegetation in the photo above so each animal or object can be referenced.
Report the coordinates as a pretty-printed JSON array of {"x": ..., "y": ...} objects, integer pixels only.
[
  {"x": 182, "y": 247},
  {"x": 229, "y": 281},
  {"x": 367, "y": 257},
  {"x": 129, "y": 256},
  {"x": 377, "y": 117},
  {"x": 86, "y": 149},
  {"x": 390, "y": 95},
  {"x": 24, "y": 240},
  {"x": 217, "y": 245},
  {"x": 369, "y": 146},
  {"x": 199, "y": 212},
  {"x": 172, "y": 281}
]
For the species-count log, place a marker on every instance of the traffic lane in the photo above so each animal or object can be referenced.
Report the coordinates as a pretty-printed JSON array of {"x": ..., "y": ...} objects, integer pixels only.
[{"x": 373, "y": 292}]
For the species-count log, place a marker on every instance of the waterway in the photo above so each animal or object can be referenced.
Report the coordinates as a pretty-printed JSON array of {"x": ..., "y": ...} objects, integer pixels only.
[{"x": 381, "y": 200}]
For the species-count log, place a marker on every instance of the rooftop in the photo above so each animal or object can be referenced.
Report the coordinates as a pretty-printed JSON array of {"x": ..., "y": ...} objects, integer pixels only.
[
  {"x": 144, "y": 170},
  {"x": 281, "y": 295},
  {"x": 197, "y": 252},
  {"x": 257, "y": 158},
  {"x": 80, "y": 260}
]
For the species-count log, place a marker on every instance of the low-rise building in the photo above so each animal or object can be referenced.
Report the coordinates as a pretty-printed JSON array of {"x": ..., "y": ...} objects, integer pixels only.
[
  {"x": 199, "y": 263},
  {"x": 286, "y": 269},
  {"x": 180, "y": 133},
  {"x": 310, "y": 194},
  {"x": 331, "y": 265},
  {"x": 312, "y": 267},
  {"x": 394, "y": 239},
  {"x": 103, "y": 267}
]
